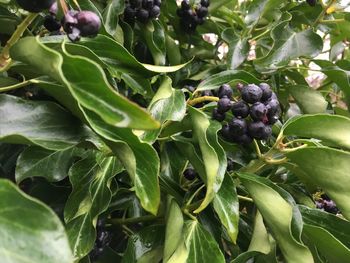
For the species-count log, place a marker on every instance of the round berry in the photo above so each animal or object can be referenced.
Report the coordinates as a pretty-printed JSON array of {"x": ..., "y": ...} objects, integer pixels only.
[
  {"x": 142, "y": 15},
  {"x": 272, "y": 119},
  {"x": 240, "y": 109},
  {"x": 207, "y": 93},
  {"x": 129, "y": 13},
  {"x": 225, "y": 90},
  {"x": 154, "y": 12},
  {"x": 157, "y": 2},
  {"x": 251, "y": 93},
  {"x": 135, "y": 3},
  {"x": 218, "y": 116},
  {"x": 266, "y": 91},
  {"x": 202, "y": 12},
  {"x": 88, "y": 23},
  {"x": 185, "y": 5},
  {"x": 244, "y": 139},
  {"x": 147, "y": 4},
  {"x": 35, "y": 6},
  {"x": 226, "y": 132},
  {"x": 258, "y": 111},
  {"x": 330, "y": 207},
  {"x": 238, "y": 126},
  {"x": 190, "y": 174},
  {"x": 272, "y": 106},
  {"x": 319, "y": 204},
  {"x": 205, "y": 3},
  {"x": 258, "y": 130},
  {"x": 51, "y": 24},
  {"x": 190, "y": 88},
  {"x": 224, "y": 105}
]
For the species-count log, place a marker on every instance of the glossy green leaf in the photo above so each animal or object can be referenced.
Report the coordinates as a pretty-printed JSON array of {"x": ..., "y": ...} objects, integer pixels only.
[
  {"x": 214, "y": 157},
  {"x": 40, "y": 123},
  {"x": 93, "y": 90},
  {"x": 30, "y": 231},
  {"x": 289, "y": 45},
  {"x": 167, "y": 104},
  {"x": 138, "y": 84},
  {"x": 39, "y": 162},
  {"x": 278, "y": 215},
  {"x": 332, "y": 129},
  {"x": 226, "y": 205},
  {"x": 216, "y": 80},
  {"x": 259, "y": 8},
  {"x": 139, "y": 159},
  {"x": 145, "y": 246},
  {"x": 260, "y": 238},
  {"x": 110, "y": 15},
  {"x": 91, "y": 194},
  {"x": 310, "y": 101},
  {"x": 201, "y": 246},
  {"x": 246, "y": 256},
  {"x": 329, "y": 169}
]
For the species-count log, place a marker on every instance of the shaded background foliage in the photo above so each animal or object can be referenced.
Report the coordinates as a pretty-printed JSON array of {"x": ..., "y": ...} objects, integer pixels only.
[{"x": 95, "y": 136}]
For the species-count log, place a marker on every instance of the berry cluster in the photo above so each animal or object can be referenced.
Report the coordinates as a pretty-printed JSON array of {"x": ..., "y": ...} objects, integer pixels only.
[
  {"x": 253, "y": 114},
  {"x": 75, "y": 23},
  {"x": 141, "y": 10},
  {"x": 192, "y": 17},
  {"x": 326, "y": 204}
]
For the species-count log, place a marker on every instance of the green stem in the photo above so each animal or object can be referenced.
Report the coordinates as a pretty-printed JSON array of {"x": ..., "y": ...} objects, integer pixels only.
[
  {"x": 202, "y": 99},
  {"x": 134, "y": 220},
  {"x": 244, "y": 198},
  {"x": 321, "y": 15},
  {"x": 331, "y": 21},
  {"x": 5, "y": 53},
  {"x": 18, "y": 85},
  {"x": 257, "y": 148}
]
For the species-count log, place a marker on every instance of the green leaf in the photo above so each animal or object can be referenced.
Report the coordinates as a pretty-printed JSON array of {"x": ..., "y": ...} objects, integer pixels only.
[
  {"x": 39, "y": 162},
  {"x": 167, "y": 104},
  {"x": 145, "y": 246},
  {"x": 216, "y": 80},
  {"x": 174, "y": 241},
  {"x": 260, "y": 238},
  {"x": 30, "y": 231},
  {"x": 259, "y": 8},
  {"x": 110, "y": 15},
  {"x": 91, "y": 195},
  {"x": 214, "y": 157},
  {"x": 310, "y": 101},
  {"x": 201, "y": 246},
  {"x": 226, "y": 205},
  {"x": 278, "y": 215},
  {"x": 40, "y": 123},
  {"x": 90, "y": 91},
  {"x": 138, "y": 84},
  {"x": 332, "y": 129},
  {"x": 288, "y": 45},
  {"x": 329, "y": 169}
]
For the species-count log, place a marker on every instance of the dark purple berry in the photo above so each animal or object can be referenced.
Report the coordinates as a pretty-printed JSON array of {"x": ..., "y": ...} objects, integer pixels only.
[
  {"x": 190, "y": 88},
  {"x": 200, "y": 21},
  {"x": 319, "y": 204},
  {"x": 157, "y": 2},
  {"x": 207, "y": 93},
  {"x": 238, "y": 127},
  {"x": 244, "y": 139},
  {"x": 251, "y": 93},
  {"x": 185, "y": 5},
  {"x": 135, "y": 3},
  {"x": 311, "y": 2},
  {"x": 224, "y": 105},
  {"x": 205, "y": 3},
  {"x": 258, "y": 111},
  {"x": 154, "y": 12},
  {"x": 51, "y": 23},
  {"x": 35, "y": 6},
  {"x": 53, "y": 9},
  {"x": 190, "y": 174},
  {"x": 147, "y": 4},
  {"x": 271, "y": 119},
  {"x": 88, "y": 23},
  {"x": 240, "y": 109},
  {"x": 258, "y": 130},
  {"x": 129, "y": 13},
  {"x": 142, "y": 15},
  {"x": 266, "y": 91},
  {"x": 218, "y": 116},
  {"x": 272, "y": 106},
  {"x": 202, "y": 12},
  {"x": 226, "y": 132},
  {"x": 225, "y": 90}
]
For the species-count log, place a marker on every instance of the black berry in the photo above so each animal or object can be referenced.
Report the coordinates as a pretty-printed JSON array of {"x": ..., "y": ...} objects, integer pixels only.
[
  {"x": 135, "y": 3},
  {"x": 224, "y": 105},
  {"x": 142, "y": 15},
  {"x": 157, "y": 2},
  {"x": 35, "y": 6},
  {"x": 225, "y": 90},
  {"x": 218, "y": 116},
  {"x": 244, "y": 139},
  {"x": 266, "y": 91},
  {"x": 154, "y": 12},
  {"x": 202, "y": 12},
  {"x": 251, "y": 93},
  {"x": 238, "y": 127},
  {"x": 311, "y": 2},
  {"x": 129, "y": 14},
  {"x": 51, "y": 23},
  {"x": 205, "y": 3},
  {"x": 258, "y": 111},
  {"x": 190, "y": 174},
  {"x": 185, "y": 5},
  {"x": 147, "y": 4},
  {"x": 240, "y": 109},
  {"x": 226, "y": 132},
  {"x": 258, "y": 130},
  {"x": 273, "y": 106}
]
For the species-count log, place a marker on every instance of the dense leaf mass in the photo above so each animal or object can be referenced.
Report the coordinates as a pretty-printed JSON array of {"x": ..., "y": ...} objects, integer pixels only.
[{"x": 178, "y": 131}]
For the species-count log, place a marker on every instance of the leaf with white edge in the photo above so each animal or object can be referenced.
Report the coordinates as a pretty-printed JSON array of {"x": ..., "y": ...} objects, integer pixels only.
[
  {"x": 39, "y": 162},
  {"x": 309, "y": 100},
  {"x": 289, "y": 45},
  {"x": 201, "y": 245},
  {"x": 216, "y": 80},
  {"x": 41, "y": 123},
  {"x": 110, "y": 15},
  {"x": 278, "y": 215},
  {"x": 29, "y": 230},
  {"x": 167, "y": 104},
  {"x": 213, "y": 155},
  {"x": 329, "y": 169},
  {"x": 226, "y": 205},
  {"x": 334, "y": 129},
  {"x": 91, "y": 195}
]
